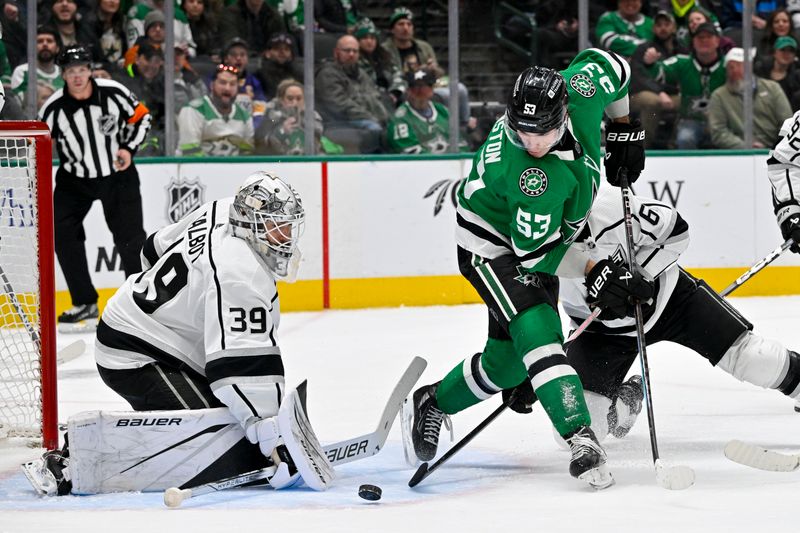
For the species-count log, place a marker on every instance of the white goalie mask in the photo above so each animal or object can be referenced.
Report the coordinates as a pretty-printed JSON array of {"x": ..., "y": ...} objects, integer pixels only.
[{"x": 268, "y": 214}]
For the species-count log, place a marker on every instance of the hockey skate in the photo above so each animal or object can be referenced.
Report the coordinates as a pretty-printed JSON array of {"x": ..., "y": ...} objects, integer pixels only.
[
  {"x": 426, "y": 422},
  {"x": 625, "y": 407},
  {"x": 49, "y": 475},
  {"x": 78, "y": 319},
  {"x": 588, "y": 459}
]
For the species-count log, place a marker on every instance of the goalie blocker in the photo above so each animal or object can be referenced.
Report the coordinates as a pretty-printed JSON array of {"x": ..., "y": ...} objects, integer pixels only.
[{"x": 152, "y": 451}]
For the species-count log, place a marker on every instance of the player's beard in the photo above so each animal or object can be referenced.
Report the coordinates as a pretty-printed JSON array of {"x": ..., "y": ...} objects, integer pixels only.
[{"x": 45, "y": 56}]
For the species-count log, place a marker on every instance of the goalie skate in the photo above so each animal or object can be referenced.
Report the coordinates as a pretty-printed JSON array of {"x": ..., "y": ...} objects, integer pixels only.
[{"x": 49, "y": 475}]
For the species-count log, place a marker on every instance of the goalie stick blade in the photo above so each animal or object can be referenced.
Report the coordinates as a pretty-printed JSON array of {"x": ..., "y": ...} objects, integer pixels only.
[
  {"x": 71, "y": 352},
  {"x": 419, "y": 475},
  {"x": 677, "y": 477},
  {"x": 761, "y": 458}
]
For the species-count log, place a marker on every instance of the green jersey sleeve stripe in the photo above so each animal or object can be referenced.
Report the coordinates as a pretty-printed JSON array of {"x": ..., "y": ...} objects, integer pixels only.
[{"x": 619, "y": 65}]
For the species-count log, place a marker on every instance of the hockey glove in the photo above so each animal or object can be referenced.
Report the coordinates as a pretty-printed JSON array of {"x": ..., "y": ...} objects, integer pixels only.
[
  {"x": 791, "y": 228},
  {"x": 624, "y": 151},
  {"x": 264, "y": 432},
  {"x": 616, "y": 290},
  {"x": 523, "y": 399}
]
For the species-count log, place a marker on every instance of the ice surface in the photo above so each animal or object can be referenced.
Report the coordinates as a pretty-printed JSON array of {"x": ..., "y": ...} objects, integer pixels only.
[{"x": 511, "y": 478}]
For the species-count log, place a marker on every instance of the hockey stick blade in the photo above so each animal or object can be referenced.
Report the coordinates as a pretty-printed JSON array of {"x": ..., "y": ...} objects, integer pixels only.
[
  {"x": 419, "y": 475},
  {"x": 676, "y": 477},
  {"x": 761, "y": 458},
  {"x": 71, "y": 352}
]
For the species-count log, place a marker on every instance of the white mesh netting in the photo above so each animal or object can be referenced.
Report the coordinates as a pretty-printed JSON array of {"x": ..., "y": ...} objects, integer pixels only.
[{"x": 20, "y": 369}]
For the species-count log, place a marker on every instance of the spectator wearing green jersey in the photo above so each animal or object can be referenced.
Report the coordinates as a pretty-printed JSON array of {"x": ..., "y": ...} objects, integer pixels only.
[
  {"x": 698, "y": 75},
  {"x": 621, "y": 31},
  {"x": 420, "y": 125},
  {"x": 726, "y": 109},
  {"x": 47, "y": 72}
]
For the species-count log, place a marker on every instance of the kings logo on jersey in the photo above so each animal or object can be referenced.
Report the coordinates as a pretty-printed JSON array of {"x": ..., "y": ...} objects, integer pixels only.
[
  {"x": 183, "y": 197},
  {"x": 533, "y": 182}
]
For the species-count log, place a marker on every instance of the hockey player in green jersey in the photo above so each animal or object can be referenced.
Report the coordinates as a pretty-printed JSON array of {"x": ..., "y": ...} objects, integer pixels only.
[{"x": 525, "y": 201}]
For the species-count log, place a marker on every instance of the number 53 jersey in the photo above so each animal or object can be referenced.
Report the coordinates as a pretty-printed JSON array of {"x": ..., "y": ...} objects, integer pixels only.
[
  {"x": 205, "y": 303},
  {"x": 514, "y": 203}
]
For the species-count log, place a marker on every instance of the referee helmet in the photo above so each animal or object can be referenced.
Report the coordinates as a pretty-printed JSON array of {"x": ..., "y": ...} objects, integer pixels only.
[{"x": 74, "y": 55}]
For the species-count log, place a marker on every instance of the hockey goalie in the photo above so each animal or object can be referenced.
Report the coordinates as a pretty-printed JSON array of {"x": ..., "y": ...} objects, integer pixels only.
[{"x": 191, "y": 345}]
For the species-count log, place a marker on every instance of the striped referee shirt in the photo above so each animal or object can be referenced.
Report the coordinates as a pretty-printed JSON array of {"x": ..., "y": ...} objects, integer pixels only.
[{"x": 88, "y": 133}]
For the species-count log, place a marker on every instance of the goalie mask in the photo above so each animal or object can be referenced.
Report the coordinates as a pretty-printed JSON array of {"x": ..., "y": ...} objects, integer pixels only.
[
  {"x": 536, "y": 113},
  {"x": 268, "y": 214}
]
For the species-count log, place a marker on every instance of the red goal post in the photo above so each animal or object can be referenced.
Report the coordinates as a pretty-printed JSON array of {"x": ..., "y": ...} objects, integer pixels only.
[{"x": 28, "y": 393}]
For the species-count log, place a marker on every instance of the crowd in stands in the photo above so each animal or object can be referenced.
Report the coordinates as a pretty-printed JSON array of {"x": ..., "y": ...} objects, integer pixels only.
[{"x": 239, "y": 70}]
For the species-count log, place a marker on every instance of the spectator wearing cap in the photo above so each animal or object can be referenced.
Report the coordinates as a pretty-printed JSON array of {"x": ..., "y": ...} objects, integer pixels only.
[
  {"x": 335, "y": 16},
  {"x": 278, "y": 63},
  {"x": 48, "y": 74},
  {"x": 154, "y": 34},
  {"x": 376, "y": 61},
  {"x": 138, "y": 22},
  {"x": 255, "y": 21},
  {"x": 204, "y": 26},
  {"x": 655, "y": 101},
  {"x": 697, "y": 75},
  {"x": 402, "y": 45},
  {"x": 420, "y": 125},
  {"x": 349, "y": 101},
  {"x": 691, "y": 20},
  {"x": 251, "y": 95},
  {"x": 107, "y": 25},
  {"x": 783, "y": 67},
  {"x": 215, "y": 125},
  {"x": 621, "y": 31},
  {"x": 282, "y": 132},
  {"x": 779, "y": 24},
  {"x": 726, "y": 109}
]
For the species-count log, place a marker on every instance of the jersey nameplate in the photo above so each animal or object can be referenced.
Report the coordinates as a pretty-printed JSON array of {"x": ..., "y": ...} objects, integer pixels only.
[
  {"x": 197, "y": 237},
  {"x": 533, "y": 182},
  {"x": 583, "y": 85}
]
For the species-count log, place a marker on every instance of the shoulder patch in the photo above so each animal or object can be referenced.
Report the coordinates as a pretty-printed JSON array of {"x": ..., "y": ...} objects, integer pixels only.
[
  {"x": 582, "y": 85},
  {"x": 533, "y": 182}
]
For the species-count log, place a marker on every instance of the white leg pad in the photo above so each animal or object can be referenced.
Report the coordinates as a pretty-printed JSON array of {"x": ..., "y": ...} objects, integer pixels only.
[
  {"x": 598, "y": 409},
  {"x": 756, "y": 360}
]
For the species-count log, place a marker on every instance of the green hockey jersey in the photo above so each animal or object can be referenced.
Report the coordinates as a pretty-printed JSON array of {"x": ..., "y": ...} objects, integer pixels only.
[
  {"x": 696, "y": 82},
  {"x": 623, "y": 36},
  {"x": 411, "y": 133},
  {"x": 514, "y": 203}
]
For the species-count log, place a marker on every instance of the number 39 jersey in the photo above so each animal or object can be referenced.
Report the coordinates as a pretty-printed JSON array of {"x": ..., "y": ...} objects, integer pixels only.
[
  {"x": 205, "y": 302},
  {"x": 514, "y": 203}
]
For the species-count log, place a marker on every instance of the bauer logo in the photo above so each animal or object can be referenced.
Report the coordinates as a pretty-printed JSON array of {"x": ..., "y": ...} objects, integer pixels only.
[
  {"x": 625, "y": 136},
  {"x": 136, "y": 422},
  {"x": 582, "y": 85},
  {"x": 183, "y": 197},
  {"x": 533, "y": 182},
  {"x": 350, "y": 450}
]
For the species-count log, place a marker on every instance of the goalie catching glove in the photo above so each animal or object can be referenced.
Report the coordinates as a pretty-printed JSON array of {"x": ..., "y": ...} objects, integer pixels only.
[
  {"x": 616, "y": 290},
  {"x": 624, "y": 152}
]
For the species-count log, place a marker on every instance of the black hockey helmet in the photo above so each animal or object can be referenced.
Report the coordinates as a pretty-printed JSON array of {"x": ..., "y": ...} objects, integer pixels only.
[
  {"x": 538, "y": 101},
  {"x": 74, "y": 55}
]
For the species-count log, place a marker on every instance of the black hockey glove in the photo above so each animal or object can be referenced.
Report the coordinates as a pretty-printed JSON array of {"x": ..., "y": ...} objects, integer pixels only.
[
  {"x": 624, "y": 151},
  {"x": 791, "y": 228},
  {"x": 616, "y": 290},
  {"x": 524, "y": 397}
]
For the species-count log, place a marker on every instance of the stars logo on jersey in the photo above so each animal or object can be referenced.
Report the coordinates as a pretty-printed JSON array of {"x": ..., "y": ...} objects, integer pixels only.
[
  {"x": 527, "y": 278},
  {"x": 533, "y": 182},
  {"x": 583, "y": 85}
]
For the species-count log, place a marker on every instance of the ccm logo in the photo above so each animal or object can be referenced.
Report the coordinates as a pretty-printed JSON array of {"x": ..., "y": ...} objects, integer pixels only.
[
  {"x": 133, "y": 422},
  {"x": 599, "y": 281},
  {"x": 626, "y": 136}
]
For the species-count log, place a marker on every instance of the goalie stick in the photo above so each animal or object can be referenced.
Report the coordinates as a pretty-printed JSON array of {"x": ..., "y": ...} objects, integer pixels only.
[
  {"x": 761, "y": 458},
  {"x": 755, "y": 269},
  {"x": 338, "y": 453}
]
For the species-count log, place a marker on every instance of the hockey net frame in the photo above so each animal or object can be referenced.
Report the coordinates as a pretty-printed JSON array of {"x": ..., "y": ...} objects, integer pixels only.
[{"x": 31, "y": 317}]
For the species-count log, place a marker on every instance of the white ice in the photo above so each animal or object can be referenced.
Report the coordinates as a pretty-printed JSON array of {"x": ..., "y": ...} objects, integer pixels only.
[{"x": 511, "y": 478}]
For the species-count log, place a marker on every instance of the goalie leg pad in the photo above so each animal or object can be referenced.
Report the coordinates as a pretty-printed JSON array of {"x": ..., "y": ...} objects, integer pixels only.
[{"x": 763, "y": 362}]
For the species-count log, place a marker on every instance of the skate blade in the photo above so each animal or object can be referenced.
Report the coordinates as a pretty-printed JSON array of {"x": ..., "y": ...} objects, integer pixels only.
[
  {"x": 406, "y": 419},
  {"x": 34, "y": 471},
  {"x": 598, "y": 478},
  {"x": 84, "y": 326}
]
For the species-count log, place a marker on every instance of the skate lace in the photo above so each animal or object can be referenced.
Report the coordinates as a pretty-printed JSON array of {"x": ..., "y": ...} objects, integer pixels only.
[
  {"x": 581, "y": 445},
  {"x": 433, "y": 425}
]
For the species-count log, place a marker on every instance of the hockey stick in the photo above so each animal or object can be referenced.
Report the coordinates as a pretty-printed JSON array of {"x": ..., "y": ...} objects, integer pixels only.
[
  {"x": 761, "y": 458},
  {"x": 338, "y": 453},
  {"x": 670, "y": 477},
  {"x": 584, "y": 324},
  {"x": 755, "y": 269},
  {"x": 71, "y": 352},
  {"x": 9, "y": 290},
  {"x": 424, "y": 470}
]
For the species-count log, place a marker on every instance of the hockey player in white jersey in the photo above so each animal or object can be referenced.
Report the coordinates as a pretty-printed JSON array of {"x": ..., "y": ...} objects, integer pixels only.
[
  {"x": 783, "y": 169},
  {"x": 197, "y": 330},
  {"x": 684, "y": 310}
]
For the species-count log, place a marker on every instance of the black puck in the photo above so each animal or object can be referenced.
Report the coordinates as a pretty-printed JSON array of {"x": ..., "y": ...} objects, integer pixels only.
[{"x": 370, "y": 492}]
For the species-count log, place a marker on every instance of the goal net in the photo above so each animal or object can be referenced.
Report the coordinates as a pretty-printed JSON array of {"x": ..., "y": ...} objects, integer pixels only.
[{"x": 27, "y": 292}]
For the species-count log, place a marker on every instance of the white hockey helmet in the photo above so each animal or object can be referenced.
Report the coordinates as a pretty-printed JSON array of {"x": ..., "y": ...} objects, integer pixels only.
[{"x": 268, "y": 213}]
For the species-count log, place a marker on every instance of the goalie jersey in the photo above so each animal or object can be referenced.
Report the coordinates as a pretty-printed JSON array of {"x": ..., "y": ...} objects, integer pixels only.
[
  {"x": 783, "y": 169},
  {"x": 660, "y": 236},
  {"x": 514, "y": 203},
  {"x": 205, "y": 304}
]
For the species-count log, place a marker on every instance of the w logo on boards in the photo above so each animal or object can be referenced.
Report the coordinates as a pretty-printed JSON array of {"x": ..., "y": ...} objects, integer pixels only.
[
  {"x": 183, "y": 197},
  {"x": 667, "y": 192}
]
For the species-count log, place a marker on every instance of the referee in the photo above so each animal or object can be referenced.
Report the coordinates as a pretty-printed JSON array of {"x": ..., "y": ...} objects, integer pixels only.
[{"x": 97, "y": 126}]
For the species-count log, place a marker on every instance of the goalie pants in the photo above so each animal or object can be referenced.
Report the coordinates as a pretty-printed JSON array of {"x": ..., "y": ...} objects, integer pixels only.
[
  {"x": 122, "y": 208},
  {"x": 524, "y": 342},
  {"x": 695, "y": 317}
]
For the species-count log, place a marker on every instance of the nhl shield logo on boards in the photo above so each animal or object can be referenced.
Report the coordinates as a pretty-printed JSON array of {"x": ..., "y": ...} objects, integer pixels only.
[
  {"x": 183, "y": 197},
  {"x": 533, "y": 182},
  {"x": 582, "y": 85}
]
